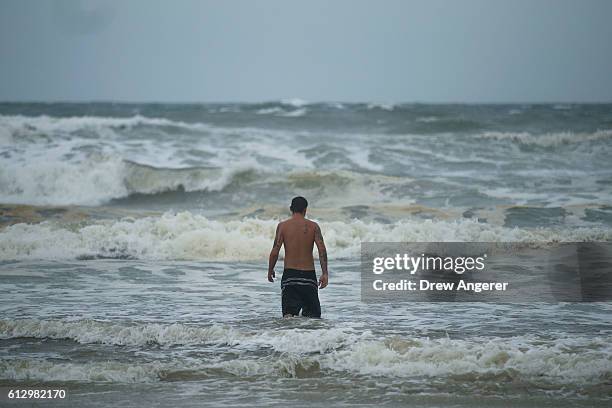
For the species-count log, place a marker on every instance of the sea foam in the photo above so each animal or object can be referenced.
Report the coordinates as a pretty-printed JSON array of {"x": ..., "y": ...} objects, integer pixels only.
[
  {"x": 561, "y": 360},
  {"x": 548, "y": 139},
  {"x": 188, "y": 236}
]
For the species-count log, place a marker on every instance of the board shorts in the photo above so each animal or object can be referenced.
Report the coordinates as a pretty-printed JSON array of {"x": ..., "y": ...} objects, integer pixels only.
[{"x": 300, "y": 291}]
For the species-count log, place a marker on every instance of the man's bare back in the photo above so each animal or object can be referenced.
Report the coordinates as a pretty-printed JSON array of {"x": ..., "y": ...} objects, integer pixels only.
[{"x": 299, "y": 235}]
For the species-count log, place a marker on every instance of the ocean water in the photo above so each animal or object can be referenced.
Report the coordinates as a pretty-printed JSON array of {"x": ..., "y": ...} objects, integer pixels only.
[{"x": 134, "y": 242}]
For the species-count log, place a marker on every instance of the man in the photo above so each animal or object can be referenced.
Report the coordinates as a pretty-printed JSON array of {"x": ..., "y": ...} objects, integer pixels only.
[{"x": 299, "y": 283}]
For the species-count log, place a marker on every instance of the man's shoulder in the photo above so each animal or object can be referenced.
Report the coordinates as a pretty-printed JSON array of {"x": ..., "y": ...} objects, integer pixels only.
[
  {"x": 288, "y": 222},
  {"x": 312, "y": 224},
  {"x": 284, "y": 223}
]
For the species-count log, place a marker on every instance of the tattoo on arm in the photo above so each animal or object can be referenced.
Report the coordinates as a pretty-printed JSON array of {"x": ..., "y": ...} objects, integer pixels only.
[
  {"x": 322, "y": 250},
  {"x": 278, "y": 242}
]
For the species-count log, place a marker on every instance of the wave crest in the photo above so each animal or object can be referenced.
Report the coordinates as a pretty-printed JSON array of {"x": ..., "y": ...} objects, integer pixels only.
[
  {"x": 548, "y": 139},
  {"x": 13, "y": 127},
  {"x": 95, "y": 332},
  {"x": 102, "y": 178},
  {"x": 564, "y": 360},
  {"x": 187, "y": 236}
]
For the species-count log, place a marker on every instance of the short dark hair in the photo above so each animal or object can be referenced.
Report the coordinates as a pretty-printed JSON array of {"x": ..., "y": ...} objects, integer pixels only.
[{"x": 298, "y": 205}]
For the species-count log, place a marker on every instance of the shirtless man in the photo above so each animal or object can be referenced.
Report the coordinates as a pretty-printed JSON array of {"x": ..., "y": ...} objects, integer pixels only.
[{"x": 299, "y": 282}]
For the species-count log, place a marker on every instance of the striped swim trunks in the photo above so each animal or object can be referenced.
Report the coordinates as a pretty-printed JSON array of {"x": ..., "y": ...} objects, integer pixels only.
[{"x": 300, "y": 291}]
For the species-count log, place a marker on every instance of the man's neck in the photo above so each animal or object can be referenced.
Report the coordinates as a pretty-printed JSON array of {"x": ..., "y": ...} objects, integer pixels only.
[{"x": 298, "y": 216}]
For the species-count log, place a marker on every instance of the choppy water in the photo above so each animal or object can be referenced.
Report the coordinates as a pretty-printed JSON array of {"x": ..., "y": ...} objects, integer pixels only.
[{"x": 134, "y": 243}]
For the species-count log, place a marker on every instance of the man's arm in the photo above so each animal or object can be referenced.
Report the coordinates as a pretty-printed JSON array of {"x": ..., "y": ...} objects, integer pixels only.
[
  {"x": 278, "y": 242},
  {"x": 322, "y": 256}
]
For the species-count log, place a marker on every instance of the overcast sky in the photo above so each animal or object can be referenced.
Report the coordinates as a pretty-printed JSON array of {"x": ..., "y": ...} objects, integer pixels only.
[{"x": 333, "y": 50}]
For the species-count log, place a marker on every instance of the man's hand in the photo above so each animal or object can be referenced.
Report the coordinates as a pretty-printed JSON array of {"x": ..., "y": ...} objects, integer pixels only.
[
  {"x": 323, "y": 281},
  {"x": 272, "y": 275}
]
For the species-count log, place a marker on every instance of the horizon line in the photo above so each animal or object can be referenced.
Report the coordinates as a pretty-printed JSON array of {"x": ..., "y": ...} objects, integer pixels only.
[{"x": 299, "y": 101}]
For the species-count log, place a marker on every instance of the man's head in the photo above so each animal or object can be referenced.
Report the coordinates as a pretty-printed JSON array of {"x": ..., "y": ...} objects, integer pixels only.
[{"x": 299, "y": 205}]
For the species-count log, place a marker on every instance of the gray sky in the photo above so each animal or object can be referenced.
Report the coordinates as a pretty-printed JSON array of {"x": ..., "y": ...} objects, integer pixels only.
[{"x": 383, "y": 50}]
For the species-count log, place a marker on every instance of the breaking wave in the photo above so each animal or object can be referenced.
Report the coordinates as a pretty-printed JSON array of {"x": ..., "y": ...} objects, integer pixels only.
[
  {"x": 72, "y": 166},
  {"x": 14, "y": 127},
  {"x": 101, "y": 179},
  {"x": 548, "y": 139},
  {"x": 565, "y": 360},
  {"x": 106, "y": 371},
  {"x": 187, "y": 236},
  {"x": 95, "y": 332}
]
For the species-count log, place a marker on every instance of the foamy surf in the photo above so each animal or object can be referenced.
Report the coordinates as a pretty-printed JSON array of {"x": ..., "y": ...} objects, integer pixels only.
[
  {"x": 149, "y": 334},
  {"x": 184, "y": 200},
  {"x": 555, "y": 361},
  {"x": 188, "y": 236},
  {"x": 54, "y": 371},
  {"x": 93, "y": 160},
  {"x": 102, "y": 179},
  {"x": 15, "y": 126},
  {"x": 549, "y": 139}
]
